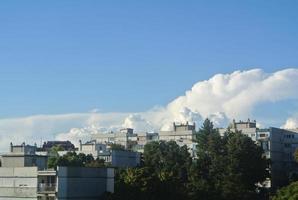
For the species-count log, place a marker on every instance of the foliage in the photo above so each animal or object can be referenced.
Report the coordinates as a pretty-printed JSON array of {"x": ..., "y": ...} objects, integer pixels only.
[
  {"x": 163, "y": 175},
  {"x": 118, "y": 147},
  {"x": 167, "y": 159},
  {"x": 72, "y": 159},
  {"x": 95, "y": 163},
  {"x": 296, "y": 155},
  {"x": 226, "y": 168},
  {"x": 289, "y": 192}
]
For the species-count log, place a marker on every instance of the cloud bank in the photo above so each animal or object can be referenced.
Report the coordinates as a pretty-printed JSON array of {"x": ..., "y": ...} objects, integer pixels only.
[{"x": 221, "y": 98}]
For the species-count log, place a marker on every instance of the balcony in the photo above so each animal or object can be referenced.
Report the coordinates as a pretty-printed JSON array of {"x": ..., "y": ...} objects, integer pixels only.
[{"x": 46, "y": 188}]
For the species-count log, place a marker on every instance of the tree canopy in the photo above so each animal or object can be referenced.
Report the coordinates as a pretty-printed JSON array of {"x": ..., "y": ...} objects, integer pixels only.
[
  {"x": 289, "y": 192},
  {"x": 226, "y": 167},
  {"x": 73, "y": 159}
]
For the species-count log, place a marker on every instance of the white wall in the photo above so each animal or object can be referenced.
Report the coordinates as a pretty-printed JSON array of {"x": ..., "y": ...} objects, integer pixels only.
[{"x": 18, "y": 183}]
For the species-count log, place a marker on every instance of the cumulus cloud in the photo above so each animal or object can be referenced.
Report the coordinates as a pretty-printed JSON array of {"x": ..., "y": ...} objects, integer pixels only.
[
  {"x": 48, "y": 127},
  {"x": 238, "y": 93},
  {"x": 291, "y": 123},
  {"x": 221, "y": 98},
  {"x": 138, "y": 123}
]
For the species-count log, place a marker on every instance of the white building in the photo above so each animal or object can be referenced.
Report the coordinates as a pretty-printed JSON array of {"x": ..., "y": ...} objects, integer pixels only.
[
  {"x": 116, "y": 158},
  {"x": 279, "y": 146},
  {"x": 124, "y": 137},
  {"x": 22, "y": 176},
  {"x": 64, "y": 183},
  {"x": 182, "y": 134}
]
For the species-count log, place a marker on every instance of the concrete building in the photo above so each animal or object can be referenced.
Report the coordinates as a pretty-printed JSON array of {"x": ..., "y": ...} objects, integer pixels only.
[
  {"x": 116, "y": 158},
  {"x": 124, "y": 137},
  {"x": 65, "y": 183},
  {"x": 143, "y": 139},
  {"x": 279, "y": 146},
  {"x": 182, "y": 134},
  {"x": 24, "y": 175},
  {"x": 23, "y": 156}
]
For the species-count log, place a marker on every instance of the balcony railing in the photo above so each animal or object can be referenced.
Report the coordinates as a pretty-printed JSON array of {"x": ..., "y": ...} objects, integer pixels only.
[{"x": 46, "y": 187}]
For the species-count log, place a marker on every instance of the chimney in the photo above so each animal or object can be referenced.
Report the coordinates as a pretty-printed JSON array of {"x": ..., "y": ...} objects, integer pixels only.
[
  {"x": 80, "y": 141},
  {"x": 11, "y": 147}
]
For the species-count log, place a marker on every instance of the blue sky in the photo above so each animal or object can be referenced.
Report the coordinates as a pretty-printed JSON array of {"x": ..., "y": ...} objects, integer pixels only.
[{"x": 128, "y": 56}]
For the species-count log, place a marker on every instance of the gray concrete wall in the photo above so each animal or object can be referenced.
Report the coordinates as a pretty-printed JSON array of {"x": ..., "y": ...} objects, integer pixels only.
[
  {"x": 18, "y": 183},
  {"x": 84, "y": 183},
  {"x": 24, "y": 161},
  {"x": 125, "y": 159},
  {"x": 13, "y": 161}
]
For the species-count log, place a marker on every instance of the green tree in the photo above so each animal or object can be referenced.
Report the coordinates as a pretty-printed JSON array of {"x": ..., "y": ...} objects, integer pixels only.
[
  {"x": 245, "y": 167},
  {"x": 163, "y": 175},
  {"x": 227, "y": 167},
  {"x": 207, "y": 171},
  {"x": 96, "y": 163},
  {"x": 54, "y": 156},
  {"x": 167, "y": 159},
  {"x": 73, "y": 159},
  {"x": 118, "y": 147},
  {"x": 289, "y": 192},
  {"x": 168, "y": 163}
]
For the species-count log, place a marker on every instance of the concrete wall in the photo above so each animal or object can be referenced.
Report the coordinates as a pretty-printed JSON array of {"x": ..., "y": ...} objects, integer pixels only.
[
  {"x": 24, "y": 161},
  {"x": 84, "y": 183},
  {"x": 18, "y": 183},
  {"x": 13, "y": 161},
  {"x": 125, "y": 159}
]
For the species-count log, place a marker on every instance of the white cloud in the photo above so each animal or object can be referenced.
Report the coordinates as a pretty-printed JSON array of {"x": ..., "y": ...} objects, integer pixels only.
[
  {"x": 291, "y": 123},
  {"x": 138, "y": 123},
  {"x": 221, "y": 98},
  {"x": 46, "y": 127}
]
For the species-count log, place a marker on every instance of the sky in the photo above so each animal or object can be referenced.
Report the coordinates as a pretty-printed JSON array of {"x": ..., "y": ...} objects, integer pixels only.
[{"x": 109, "y": 64}]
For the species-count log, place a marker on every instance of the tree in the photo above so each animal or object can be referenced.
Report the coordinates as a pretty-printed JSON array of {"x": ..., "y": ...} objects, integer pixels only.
[
  {"x": 165, "y": 158},
  {"x": 118, "y": 147},
  {"x": 207, "y": 171},
  {"x": 168, "y": 163},
  {"x": 73, "y": 159},
  {"x": 289, "y": 192},
  {"x": 245, "y": 167},
  {"x": 163, "y": 174},
  {"x": 96, "y": 163},
  {"x": 227, "y": 167},
  {"x": 54, "y": 156}
]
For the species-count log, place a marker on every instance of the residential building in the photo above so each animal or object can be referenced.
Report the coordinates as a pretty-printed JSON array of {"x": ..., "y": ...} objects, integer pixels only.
[
  {"x": 64, "y": 183},
  {"x": 23, "y": 156},
  {"x": 182, "y": 134},
  {"x": 143, "y": 139},
  {"x": 279, "y": 146},
  {"x": 22, "y": 176},
  {"x": 124, "y": 137},
  {"x": 116, "y": 158}
]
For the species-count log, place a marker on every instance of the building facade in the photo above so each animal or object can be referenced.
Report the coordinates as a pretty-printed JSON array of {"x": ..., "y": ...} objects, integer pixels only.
[
  {"x": 279, "y": 146},
  {"x": 116, "y": 158},
  {"x": 22, "y": 176},
  {"x": 182, "y": 134}
]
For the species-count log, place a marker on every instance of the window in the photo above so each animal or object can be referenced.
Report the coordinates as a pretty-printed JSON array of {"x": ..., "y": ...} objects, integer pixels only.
[{"x": 287, "y": 145}]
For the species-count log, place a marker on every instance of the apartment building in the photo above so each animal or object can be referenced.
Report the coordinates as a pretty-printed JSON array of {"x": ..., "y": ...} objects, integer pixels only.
[
  {"x": 22, "y": 178},
  {"x": 116, "y": 158},
  {"x": 124, "y": 137},
  {"x": 23, "y": 156},
  {"x": 279, "y": 146},
  {"x": 144, "y": 138},
  {"x": 182, "y": 134}
]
